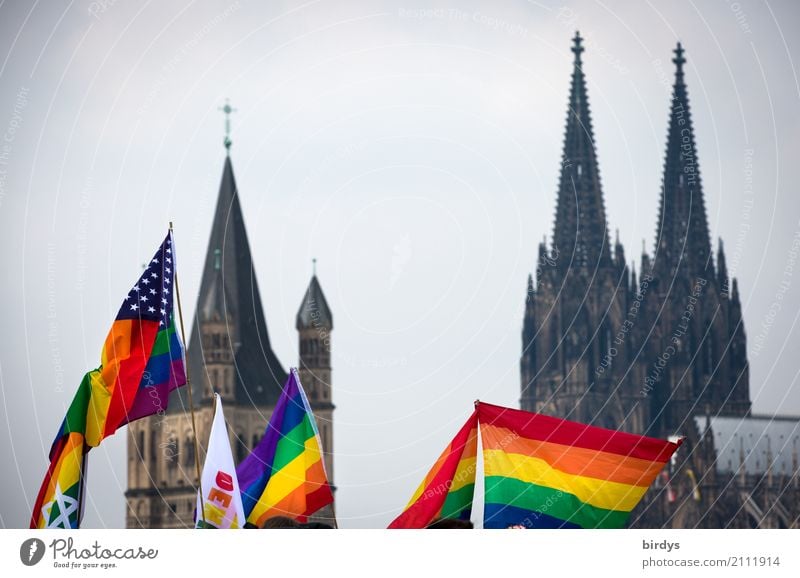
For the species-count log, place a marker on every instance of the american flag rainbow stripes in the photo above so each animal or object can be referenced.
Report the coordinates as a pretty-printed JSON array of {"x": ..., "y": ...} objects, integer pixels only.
[
  {"x": 141, "y": 362},
  {"x": 285, "y": 474}
]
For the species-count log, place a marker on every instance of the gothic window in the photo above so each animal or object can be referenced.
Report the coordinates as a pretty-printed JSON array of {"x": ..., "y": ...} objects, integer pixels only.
[
  {"x": 140, "y": 444},
  {"x": 709, "y": 352},
  {"x": 188, "y": 451},
  {"x": 153, "y": 448},
  {"x": 171, "y": 451},
  {"x": 241, "y": 447}
]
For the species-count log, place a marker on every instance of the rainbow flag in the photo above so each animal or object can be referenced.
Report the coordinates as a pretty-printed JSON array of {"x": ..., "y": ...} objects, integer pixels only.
[
  {"x": 448, "y": 488},
  {"x": 545, "y": 472},
  {"x": 285, "y": 474},
  {"x": 141, "y": 362}
]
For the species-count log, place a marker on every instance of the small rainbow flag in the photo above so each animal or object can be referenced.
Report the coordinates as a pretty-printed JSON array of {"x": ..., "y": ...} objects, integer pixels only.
[
  {"x": 285, "y": 473},
  {"x": 141, "y": 362},
  {"x": 545, "y": 472},
  {"x": 448, "y": 488}
]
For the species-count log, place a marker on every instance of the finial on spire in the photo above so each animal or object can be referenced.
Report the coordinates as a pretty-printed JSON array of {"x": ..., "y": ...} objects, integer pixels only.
[
  {"x": 679, "y": 60},
  {"x": 577, "y": 48},
  {"x": 314, "y": 266},
  {"x": 227, "y": 109}
]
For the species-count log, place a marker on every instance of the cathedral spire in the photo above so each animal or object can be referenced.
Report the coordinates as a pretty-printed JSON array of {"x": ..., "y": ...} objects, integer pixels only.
[
  {"x": 580, "y": 232},
  {"x": 229, "y": 324},
  {"x": 682, "y": 237},
  {"x": 722, "y": 269}
]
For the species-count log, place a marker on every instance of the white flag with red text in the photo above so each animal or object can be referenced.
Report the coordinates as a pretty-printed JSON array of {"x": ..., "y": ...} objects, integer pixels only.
[{"x": 220, "y": 503}]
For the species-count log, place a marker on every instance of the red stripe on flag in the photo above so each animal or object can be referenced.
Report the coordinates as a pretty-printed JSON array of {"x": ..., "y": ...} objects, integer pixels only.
[
  {"x": 545, "y": 428},
  {"x": 425, "y": 509},
  {"x": 126, "y": 371}
]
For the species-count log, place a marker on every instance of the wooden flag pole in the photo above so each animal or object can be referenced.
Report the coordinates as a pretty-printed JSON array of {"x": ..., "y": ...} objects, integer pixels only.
[{"x": 201, "y": 513}]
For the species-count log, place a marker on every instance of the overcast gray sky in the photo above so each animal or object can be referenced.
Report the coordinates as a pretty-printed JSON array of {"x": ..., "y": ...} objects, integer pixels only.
[{"x": 412, "y": 147}]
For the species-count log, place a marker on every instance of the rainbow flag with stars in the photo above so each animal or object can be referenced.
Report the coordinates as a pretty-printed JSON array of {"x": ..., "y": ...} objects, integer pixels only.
[
  {"x": 448, "y": 488},
  {"x": 285, "y": 473},
  {"x": 545, "y": 472},
  {"x": 141, "y": 363}
]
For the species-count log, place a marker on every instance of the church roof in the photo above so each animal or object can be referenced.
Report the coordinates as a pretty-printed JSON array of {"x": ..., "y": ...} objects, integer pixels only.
[
  {"x": 314, "y": 310},
  {"x": 229, "y": 293},
  {"x": 756, "y": 441}
]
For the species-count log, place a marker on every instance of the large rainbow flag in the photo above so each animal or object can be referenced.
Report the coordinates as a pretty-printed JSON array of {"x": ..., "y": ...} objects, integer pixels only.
[
  {"x": 141, "y": 362},
  {"x": 285, "y": 473},
  {"x": 545, "y": 472},
  {"x": 539, "y": 472},
  {"x": 448, "y": 488}
]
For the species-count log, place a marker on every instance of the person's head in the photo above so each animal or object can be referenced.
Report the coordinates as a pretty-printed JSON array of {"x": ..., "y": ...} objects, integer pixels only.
[
  {"x": 278, "y": 523},
  {"x": 250, "y": 526},
  {"x": 450, "y": 524},
  {"x": 317, "y": 526}
]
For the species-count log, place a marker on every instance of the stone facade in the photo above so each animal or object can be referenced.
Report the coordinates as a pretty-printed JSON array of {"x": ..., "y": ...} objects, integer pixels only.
[
  {"x": 654, "y": 354},
  {"x": 229, "y": 352}
]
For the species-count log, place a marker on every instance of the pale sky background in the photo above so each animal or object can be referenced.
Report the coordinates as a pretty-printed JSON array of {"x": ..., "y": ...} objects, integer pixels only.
[{"x": 412, "y": 147}]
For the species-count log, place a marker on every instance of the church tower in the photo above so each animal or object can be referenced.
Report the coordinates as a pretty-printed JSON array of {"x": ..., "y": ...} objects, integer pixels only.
[
  {"x": 229, "y": 352},
  {"x": 575, "y": 309},
  {"x": 693, "y": 342},
  {"x": 314, "y": 323}
]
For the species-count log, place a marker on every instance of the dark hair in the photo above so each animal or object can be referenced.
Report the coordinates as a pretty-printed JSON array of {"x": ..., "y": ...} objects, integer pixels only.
[
  {"x": 279, "y": 522},
  {"x": 317, "y": 526},
  {"x": 450, "y": 524}
]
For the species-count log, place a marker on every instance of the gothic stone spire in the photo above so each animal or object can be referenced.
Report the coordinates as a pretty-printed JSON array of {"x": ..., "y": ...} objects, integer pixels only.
[
  {"x": 580, "y": 232},
  {"x": 682, "y": 237},
  {"x": 229, "y": 283}
]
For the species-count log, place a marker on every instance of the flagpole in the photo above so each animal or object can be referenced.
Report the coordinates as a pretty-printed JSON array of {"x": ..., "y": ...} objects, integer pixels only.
[{"x": 201, "y": 513}]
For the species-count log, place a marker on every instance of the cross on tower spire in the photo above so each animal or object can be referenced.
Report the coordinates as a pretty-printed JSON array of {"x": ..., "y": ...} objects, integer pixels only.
[
  {"x": 577, "y": 47},
  {"x": 227, "y": 109},
  {"x": 679, "y": 61}
]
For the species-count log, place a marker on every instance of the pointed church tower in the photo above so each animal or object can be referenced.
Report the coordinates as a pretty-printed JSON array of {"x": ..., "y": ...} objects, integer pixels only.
[
  {"x": 229, "y": 352},
  {"x": 567, "y": 367},
  {"x": 682, "y": 237},
  {"x": 314, "y": 323},
  {"x": 580, "y": 233}
]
